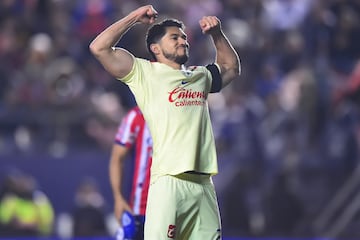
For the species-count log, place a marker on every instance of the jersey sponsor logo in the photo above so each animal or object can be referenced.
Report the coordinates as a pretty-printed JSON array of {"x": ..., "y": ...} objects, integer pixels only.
[
  {"x": 171, "y": 231},
  {"x": 181, "y": 96}
]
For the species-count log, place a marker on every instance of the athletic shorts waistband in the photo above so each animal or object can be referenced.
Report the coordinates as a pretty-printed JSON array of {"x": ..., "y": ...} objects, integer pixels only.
[
  {"x": 195, "y": 177},
  {"x": 198, "y": 173}
]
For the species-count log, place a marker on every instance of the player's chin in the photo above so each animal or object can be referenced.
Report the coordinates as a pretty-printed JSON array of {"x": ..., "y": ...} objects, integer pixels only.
[{"x": 181, "y": 59}]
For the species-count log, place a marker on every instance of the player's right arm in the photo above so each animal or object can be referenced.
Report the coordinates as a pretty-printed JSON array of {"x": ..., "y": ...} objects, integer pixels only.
[
  {"x": 117, "y": 61},
  {"x": 116, "y": 166}
]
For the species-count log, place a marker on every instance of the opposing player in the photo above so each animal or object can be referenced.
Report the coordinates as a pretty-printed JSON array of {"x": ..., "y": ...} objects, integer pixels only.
[
  {"x": 182, "y": 202},
  {"x": 132, "y": 136}
]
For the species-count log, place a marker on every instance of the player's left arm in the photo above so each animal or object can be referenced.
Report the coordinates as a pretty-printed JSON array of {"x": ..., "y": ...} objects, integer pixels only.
[{"x": 226, "y": 56}]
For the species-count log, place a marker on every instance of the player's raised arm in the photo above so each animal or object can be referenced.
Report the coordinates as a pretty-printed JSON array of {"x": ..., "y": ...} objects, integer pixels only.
[
  {"x": 226, "y": 56},
  {"x": 117, "y": 61}
]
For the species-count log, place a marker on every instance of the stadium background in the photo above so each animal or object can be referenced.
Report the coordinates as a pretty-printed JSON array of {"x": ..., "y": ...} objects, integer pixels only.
[{"x": 288, "y": 131}]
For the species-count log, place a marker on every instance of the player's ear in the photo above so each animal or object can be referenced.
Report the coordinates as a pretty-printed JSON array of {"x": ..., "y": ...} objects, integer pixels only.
[{"x": 155, "y": 48}]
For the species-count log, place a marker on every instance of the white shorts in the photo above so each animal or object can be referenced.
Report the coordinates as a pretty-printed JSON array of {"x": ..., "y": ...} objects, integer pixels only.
[{"x": 182, "y": 207}]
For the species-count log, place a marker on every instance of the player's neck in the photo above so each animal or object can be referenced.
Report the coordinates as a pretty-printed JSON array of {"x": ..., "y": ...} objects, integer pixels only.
[{"x": 170, "y": 63}]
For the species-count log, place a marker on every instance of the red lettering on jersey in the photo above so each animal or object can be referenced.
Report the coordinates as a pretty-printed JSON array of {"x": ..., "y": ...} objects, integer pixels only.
[{"x": 182, "y": 93}]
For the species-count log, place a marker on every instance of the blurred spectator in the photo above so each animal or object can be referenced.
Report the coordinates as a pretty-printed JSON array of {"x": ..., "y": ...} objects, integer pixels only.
[
  {"x": 269, "y": 80},
  {"x": 282, "y": 15},
  {"x": 351, "y": 89},
  {"x": 24, "y": 209},
  {"x": 91, "y": 16},
  {"x": 344, "y": 35},
  {"x": 88, "y": 216},
  {"x": 285, "y": 209},
  {"x": 28, "y": 84}
]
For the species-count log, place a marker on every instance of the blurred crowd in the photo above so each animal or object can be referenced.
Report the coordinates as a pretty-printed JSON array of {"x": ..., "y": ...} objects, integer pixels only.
[
  {"x": 287, "y": 131},
  {"x": 25, "y": 210}
]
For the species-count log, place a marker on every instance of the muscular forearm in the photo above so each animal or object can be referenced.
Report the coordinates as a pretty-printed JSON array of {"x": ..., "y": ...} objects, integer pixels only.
[
  {"x": 115, "y": 173},
  {"x": 226, "y": 57},
  {"x": 117, "y": 61}
]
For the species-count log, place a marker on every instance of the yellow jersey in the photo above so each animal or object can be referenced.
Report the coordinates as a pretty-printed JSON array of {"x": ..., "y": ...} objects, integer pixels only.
[{"x": 174, "y": 105}]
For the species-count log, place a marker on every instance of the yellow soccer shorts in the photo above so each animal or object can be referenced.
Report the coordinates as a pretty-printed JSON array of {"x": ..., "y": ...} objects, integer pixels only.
[{"x": 182, "y": 207}]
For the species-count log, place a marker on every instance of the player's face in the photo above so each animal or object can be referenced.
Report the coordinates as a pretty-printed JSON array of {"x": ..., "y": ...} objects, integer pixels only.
[{"x": 175, "y": 46}]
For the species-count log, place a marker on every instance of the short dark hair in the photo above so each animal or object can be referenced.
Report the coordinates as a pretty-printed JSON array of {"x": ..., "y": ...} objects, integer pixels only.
[{"x": 158, "y": 30}]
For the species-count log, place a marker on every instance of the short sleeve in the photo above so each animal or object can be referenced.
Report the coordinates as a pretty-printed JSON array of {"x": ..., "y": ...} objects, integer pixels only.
[{"x": 216, "y": 83}]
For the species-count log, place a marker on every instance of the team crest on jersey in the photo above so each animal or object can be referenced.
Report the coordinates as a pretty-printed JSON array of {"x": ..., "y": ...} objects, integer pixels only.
[
  {"x": 188, "y": 72},
  {"x": 171, "y": 231}
]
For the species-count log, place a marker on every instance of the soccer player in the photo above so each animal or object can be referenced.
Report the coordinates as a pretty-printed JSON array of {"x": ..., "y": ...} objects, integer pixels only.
[
  {"x": 132, "y": 134},
  {"x": 182, "y": 202}
]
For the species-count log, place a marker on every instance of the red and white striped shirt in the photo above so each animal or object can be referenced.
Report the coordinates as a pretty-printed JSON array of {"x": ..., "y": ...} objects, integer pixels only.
[{"x": 133, "y": 132}]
